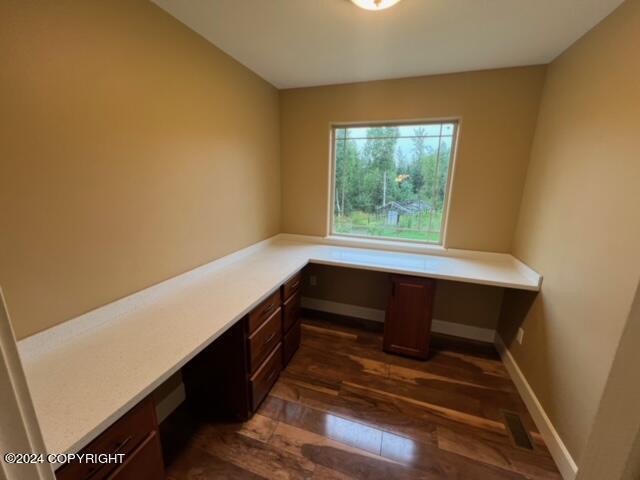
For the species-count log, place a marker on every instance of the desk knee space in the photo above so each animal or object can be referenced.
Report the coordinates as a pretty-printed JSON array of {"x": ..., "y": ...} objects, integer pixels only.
[{"x": 231, "y": 377}]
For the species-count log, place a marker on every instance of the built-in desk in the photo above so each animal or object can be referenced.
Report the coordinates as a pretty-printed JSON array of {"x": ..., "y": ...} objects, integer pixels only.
[{"x": 89, "y": 371}]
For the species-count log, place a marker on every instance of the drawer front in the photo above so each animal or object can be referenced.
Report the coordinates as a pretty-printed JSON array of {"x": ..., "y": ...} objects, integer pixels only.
[
  {"x": 291, "y": 342},
  {"x": 121, "y": 437},
  {"x": 292, "y": 285},
  {"x": 264, "y": 339},
  {"x": 263, "y": 311},
  {"x": 145, "y": 463},
  {"x": 262, "y": 381},
  {"x": 291, "y": 311}
]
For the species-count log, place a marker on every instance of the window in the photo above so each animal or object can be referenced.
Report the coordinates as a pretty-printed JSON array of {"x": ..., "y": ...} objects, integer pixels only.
[{"x": 392, "y": 181}]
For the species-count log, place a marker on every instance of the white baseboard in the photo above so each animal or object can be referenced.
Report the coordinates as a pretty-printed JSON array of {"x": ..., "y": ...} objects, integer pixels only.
[
  {"x": 564, "y": 461},
  {"x": 346, "y": 309},
  {"x": 169, "y": 403},
  {"x": 464, "y": 331},
  {"x": 376, "y": 315}
]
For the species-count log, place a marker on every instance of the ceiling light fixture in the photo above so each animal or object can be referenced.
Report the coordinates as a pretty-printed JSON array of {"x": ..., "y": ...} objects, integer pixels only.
[{"x": 375, "y": 4}]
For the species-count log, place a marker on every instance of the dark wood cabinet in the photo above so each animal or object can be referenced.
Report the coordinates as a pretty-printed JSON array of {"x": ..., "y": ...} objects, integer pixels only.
[
  {"x": 263, "y": 311},
  {"x": 233, "y": 375},
  {"x": 291, "y": 342},
  {"x": 292, "y": 285},
  {"x": 407, "y": 328},
  {"x": 145, "y": 462},
  {"x": 216, "y": 379},
  {"x": 262, "y": 381},
  {"x": 136, "y": 436},
  {"x": 262, "y": 342},
  {"x": 291, "y": 328},
  {"x": 291, "y": 312}
]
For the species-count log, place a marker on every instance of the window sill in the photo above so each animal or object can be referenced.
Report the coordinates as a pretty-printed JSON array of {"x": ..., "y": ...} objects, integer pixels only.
[{"x": 392, "y": 245}]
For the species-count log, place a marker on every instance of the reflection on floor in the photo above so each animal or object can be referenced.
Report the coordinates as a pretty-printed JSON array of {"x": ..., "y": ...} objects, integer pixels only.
[{"x": 343, "y": 409}]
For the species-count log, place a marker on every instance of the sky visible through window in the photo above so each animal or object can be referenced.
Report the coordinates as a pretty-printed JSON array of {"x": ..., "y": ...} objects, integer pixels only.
[{"x": 391, "y": 181}]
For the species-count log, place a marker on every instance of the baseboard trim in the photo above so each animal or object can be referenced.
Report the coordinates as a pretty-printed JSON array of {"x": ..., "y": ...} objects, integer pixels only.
[
  {"x": 564, "y": 461},
  {"x": 376, "y": 315},
  {"x": 343, "y": 320},
  {"x": 464, "y": 331},
  {"x": 343, "y": 309}
]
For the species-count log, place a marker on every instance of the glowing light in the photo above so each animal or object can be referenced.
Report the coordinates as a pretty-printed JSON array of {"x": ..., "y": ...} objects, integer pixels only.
[{"x": 375, "y": 4}]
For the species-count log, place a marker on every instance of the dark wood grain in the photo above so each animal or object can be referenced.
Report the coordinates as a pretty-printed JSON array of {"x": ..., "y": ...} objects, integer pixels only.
[
  {"x": 216, "y": 380},
  {"x": 265, "y": 377},
  {"x": 291, "y": 342},
  {"x": 126, "y": 436},
  {"x": 291, "y": 311},
  {"x": 407, "y": 326},
  {"x": 292, "y": 286},
  {"x": 263, "y": 311},
  {"x": 344, "y": 409},
  {"x": 262, "y": 342},
  {"x": 144, "y": 463}
]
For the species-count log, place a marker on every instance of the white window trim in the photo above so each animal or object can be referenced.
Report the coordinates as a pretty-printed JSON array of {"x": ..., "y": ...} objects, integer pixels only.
[{"x": 404, "y": 244}]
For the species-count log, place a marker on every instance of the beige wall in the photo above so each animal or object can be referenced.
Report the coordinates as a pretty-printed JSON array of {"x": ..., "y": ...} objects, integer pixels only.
[
  {"x": 498, "y": 109},
  {"x": 579, "y": 223},
  {"x": 613, "y": 448},
  {"x": 475, "y": 305},
  {"x": 131, "y": 150}
]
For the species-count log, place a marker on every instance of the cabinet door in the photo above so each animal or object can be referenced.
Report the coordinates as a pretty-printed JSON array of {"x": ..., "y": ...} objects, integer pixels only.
[{"x": 407, "y": 327}]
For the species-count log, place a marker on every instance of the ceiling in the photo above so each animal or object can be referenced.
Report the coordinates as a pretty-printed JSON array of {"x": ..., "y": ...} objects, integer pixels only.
[{"x": 298, "y": 43}]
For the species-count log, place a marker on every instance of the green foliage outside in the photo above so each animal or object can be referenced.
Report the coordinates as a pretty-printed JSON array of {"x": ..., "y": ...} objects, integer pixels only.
[{"x": 391, "y": 181}]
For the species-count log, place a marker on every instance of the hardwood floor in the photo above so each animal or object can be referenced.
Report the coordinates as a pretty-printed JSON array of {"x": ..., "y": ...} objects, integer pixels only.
[{"x": 343, "y": 409}]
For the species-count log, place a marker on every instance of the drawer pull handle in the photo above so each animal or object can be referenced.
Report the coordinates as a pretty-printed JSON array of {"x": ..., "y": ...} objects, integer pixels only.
[
  {"x": 122, "y": 444},
  {"x": 271, "y": 375},
  {"x": 269, "y": 338},
  {"x": 92, "y": 471},
  {"x": 295, "y": 285}
]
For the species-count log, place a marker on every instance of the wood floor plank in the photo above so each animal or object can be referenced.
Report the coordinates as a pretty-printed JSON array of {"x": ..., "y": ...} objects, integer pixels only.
[
  {"x": 413, "y": 421},
  {"x": 332, "y": 426},
  {"x": 323, "y": 473},
  {"x": 344, "y": 409},
  {"x": 196, "y": 464},
  {"x": 294, "y": 440},
  {"x": 439, "y": 364},
  {"x": 459, "y": 413},
  {"x": 259, "y": 427},
  {"x": 508, "y": 457},
  {"x": 387, "y": 415},
  {"x": 257, "y": 457},
  {"x": 442, "y": 464},
  {"x": 362, "y": 467},
  {"x": 325, "y": 368}
]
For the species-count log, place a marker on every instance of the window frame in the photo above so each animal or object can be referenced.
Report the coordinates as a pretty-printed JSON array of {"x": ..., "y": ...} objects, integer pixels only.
[{"x": 331, "y": 233}]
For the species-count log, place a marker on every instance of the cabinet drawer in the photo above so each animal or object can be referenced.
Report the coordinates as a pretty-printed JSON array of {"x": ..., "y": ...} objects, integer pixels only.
[
  {"x": 292, "y": 285},
  {"x": 291, "y": 311},
  {"x": 262, "y": 341},
  {"x": 264, "y": 311},
  {"x": 262, "y": 381},
  {"x": 291, "y": 342},
  {"x": 144, "y": 463},
  {"x": 122, "y": 437}
]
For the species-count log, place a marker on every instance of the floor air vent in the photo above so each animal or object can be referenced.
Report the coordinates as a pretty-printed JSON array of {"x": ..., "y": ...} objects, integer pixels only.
[{"x": 517, "y": 430}]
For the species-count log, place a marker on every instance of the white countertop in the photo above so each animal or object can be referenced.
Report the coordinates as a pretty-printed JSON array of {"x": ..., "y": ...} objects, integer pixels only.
[{"x": 87, "y": 372}]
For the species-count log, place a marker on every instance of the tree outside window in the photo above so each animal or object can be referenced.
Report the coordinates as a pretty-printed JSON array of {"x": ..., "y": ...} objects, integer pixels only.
[{"x": 391, "y": 181}]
